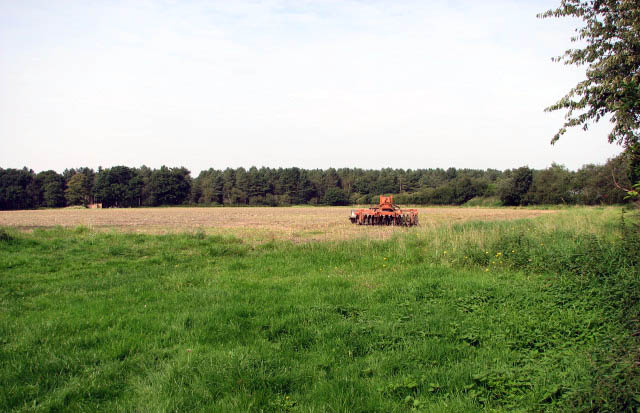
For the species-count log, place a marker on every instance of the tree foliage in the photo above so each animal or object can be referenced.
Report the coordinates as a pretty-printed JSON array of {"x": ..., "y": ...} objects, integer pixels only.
[
  {"x": 52, "y": 189},
  {"x": 116, "y": 187},
  {"x": 18, "y": 189},
  {"x": 124, "y": 187},
  {"x": 78, "y": 191},
  {"x": 551, "y": 186},
  {"x": 611, "y": 51},
  {"x": 514, "y": 190},
  {"x": 335, "y": 196},
  {"x": 170, "y": 186}
]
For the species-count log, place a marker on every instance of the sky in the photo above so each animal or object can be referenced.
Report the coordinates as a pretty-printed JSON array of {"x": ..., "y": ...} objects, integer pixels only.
[{"x": 310, "y": 83}]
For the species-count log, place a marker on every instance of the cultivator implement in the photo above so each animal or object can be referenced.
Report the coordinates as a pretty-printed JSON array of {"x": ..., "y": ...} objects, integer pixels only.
[{"x": 386, "y": 213}]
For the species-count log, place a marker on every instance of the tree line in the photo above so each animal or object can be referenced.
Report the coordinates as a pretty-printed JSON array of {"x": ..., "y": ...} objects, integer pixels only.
[{"x": 122, "y": 186}]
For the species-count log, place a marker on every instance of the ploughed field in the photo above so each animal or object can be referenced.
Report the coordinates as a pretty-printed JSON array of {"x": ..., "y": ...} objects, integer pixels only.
[{"x": 248, "y": 222}]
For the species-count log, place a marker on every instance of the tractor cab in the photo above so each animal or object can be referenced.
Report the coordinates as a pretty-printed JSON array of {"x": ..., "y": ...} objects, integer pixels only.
[{"x": 386, "y": 203}]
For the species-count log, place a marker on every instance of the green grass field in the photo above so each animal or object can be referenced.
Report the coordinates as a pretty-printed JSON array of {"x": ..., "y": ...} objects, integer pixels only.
[{"x": 527, "y": 315}]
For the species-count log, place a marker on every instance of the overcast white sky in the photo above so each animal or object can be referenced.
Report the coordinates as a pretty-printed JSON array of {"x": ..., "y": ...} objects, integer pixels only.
[{"x": 308, "y": 83}]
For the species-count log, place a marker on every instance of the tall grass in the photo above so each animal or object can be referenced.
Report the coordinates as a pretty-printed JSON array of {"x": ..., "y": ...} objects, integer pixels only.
[{"x": 531, "y": 315}]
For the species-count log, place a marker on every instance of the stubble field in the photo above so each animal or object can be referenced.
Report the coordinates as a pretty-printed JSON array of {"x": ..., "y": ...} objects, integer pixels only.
[{"x": 297, "y": 223}]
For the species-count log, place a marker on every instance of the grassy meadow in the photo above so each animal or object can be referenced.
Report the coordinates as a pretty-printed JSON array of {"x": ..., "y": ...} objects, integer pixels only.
[{"x": 532, "y": 314}]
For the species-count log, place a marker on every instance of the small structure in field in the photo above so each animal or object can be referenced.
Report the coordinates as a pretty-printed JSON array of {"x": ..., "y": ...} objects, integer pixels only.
[{"x": 95, "y": 206}]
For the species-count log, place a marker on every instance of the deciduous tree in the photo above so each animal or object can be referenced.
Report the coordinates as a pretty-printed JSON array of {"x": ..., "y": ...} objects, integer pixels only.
[
  {"x": 52, "y": 185},
  {"x": 18, "y": 189},
  {"x": 78, "y": 190},
  {"x": 170, "y": 186},
  {"x": 610, "y": 48},
  {"x": 513, "y": 191}
]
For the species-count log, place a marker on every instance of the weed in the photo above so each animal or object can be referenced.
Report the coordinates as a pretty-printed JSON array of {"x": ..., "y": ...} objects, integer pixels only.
[{"x": 503, "y": 387}]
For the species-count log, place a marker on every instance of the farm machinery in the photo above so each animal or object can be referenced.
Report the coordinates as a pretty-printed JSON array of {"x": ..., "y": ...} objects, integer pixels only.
[{"x": 386, "y": 213}]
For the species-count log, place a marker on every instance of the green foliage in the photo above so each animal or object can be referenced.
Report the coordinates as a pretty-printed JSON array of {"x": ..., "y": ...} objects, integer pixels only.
[
  {"x": 551, "y": 186},
  {"x": 633, "y": 159},
  {"x": 118, "y": 186},
  {"x": 52, "y": 186},
  {"x": 169, "y": 186},
  {"x": 634, "y": 192},
  {"x": 604, "y": 264},
  {"x": 18, "y": 189},
  {"x": 514, "y": 190},
  {"x": 506, "y": 386},
  {"x": 611, "y": 38},
  {"x": 594, "y": 184},
  {"x": 121, "y": 186},
  {"x": 78, "y": 191},
  {"x": 207, "y": 189},
  {"x": 632, "y": 155},
  {"x": 335, "y": 196}
]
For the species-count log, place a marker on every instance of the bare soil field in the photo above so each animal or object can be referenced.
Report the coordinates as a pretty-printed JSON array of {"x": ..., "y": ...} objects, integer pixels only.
[{"x": 296, "y": 223}]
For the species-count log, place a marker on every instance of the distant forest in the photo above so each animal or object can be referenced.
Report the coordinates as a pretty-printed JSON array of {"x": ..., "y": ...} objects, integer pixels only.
[{"x": 121, "y": 186}]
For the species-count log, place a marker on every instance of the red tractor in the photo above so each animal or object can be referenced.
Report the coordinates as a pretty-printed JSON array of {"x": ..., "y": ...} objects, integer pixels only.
[{"x": 384, "y": 214}]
